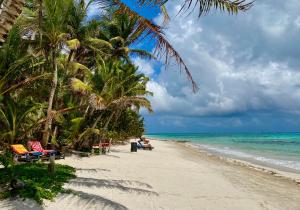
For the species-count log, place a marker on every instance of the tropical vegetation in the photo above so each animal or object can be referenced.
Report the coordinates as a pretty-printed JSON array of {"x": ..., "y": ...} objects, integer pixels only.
[
  {"x": 37, "y": 183},
  {"x": 69, "y": 79}
]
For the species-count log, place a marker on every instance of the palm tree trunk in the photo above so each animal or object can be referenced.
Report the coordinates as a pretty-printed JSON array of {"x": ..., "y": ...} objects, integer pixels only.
[
  {"x": 48, "y": 123},
  {"x": 86, "y": 111},
  {"x": 97, "y": 120},
  {"x": 108, "y": 121},
  {"x": 117, "y": 116},
  {"x": 40, "y": 5},
  {"x": 11, "y": 9}
]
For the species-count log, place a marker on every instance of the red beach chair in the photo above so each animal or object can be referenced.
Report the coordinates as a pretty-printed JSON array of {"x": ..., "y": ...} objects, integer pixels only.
[
  {"x": 35, "y": 145},
  {"x": 104, "y": 146}
]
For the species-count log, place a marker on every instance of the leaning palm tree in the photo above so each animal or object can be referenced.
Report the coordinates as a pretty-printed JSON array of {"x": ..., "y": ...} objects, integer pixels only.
[
  {"x": 10, "y": 10},
  {"x": 51, "y": 23}
]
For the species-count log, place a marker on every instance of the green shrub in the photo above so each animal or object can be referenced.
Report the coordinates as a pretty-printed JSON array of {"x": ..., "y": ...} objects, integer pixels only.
[
  {"x": 38, "y": 184},
  {"x": 6, "y": 159}
]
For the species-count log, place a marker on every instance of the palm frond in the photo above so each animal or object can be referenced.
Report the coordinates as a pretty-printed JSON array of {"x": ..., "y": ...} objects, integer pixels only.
[
  {"x": 78, "y": 86},
  {"x": 73, "y": 44},
  {"x": 141, "y": 53},
  {"x": 127, "y": 101},
  {"x": 163, "y": 47},
  {"x": 88, "y": 132},
  {"x": 204, "y": 6},
  {"x": 74, "y": 67},
  {"x": 4, "y": 118},
  {"x": 23, "y": 83},
  {"x": 165, "y": 14}
]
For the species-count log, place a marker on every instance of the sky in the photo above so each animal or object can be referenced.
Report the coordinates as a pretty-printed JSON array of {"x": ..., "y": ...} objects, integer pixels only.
[{"x": 247, "y": 68}]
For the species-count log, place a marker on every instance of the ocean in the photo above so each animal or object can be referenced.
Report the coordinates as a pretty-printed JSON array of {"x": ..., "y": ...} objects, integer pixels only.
[{"x": 277, "y": 150}]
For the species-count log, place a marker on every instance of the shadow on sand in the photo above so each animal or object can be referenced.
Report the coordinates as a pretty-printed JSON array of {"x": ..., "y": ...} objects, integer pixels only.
[
  {"x": 113, "y": 184},
  {"x": 16, "y": 204},
  {"x": 85, "y": 200},
  {"x": 91, "y": 201},
  {"x": 92, "y": 169},
  {"x": 120, "y": 151}
]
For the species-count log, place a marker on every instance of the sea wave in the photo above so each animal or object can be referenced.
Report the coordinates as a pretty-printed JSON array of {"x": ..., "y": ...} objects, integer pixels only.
[
  {"x": 273, "y": 141},
  {"x": 290, "y": 164}
]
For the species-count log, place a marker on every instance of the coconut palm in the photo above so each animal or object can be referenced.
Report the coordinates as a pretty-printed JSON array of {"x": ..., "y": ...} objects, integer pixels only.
[
  {"x": 16, "y": 117},
  {"x": 163, "y": 47},
  {"x": 112, "y": 88},
  {"x": 120, "y": 31},
  {"x": 56, "y": 37},
  {"x": 114, "y": 84},
  {"x": 71, "y": 34},
  {"x": 15, "y": 62}
]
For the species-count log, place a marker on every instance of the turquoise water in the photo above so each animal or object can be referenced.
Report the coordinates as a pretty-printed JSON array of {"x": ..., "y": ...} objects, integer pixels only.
[{"x": 275, "y": 149}]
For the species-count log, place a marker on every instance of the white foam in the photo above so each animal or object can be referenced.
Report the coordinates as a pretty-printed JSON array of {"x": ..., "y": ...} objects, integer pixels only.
[{"x": 292, "y": 164}]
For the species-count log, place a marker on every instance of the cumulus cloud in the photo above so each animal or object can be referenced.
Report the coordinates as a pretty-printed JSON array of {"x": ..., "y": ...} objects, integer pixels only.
[
  {"x": 145, "y": 66},
  {"x": 243, "y": 64}
]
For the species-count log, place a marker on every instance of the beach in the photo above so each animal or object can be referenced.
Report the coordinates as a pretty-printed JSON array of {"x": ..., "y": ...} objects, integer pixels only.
[{"x": 172, "y": 176}]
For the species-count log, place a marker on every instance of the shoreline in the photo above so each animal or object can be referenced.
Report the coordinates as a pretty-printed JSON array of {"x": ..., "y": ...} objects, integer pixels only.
[
  {"x": 289, "y": 175},
  {"x": 172, "y": 176},
  {"x": 277, "y": 170}
]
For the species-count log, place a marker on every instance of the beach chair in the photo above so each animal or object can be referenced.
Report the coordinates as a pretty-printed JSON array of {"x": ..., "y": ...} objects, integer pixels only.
[
  {"x": 140, "y": 145},
  {"x": 35, "y": 145},
  {"x": 22, "y": 154},
  {"x": 103, "y": 146}
]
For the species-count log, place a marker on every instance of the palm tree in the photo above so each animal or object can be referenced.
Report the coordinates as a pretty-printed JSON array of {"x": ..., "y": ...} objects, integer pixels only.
[
  {"x": 114, "y": 84},
  {"x": 112, "y": 88},
  {"x": 53, "y": 36},
  {"x": 11, "y": 11},
  {"x": 121, "y": 32},
  {"x": 15, "y": 62},
  {"x": 58, "y": 35},
  {"x": 61, "y": 21},
  {"x": 16, "y": 117}
]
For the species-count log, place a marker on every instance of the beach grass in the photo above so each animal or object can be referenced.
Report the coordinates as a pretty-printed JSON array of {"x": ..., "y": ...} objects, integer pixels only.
[{"x": 39, "y": 184}]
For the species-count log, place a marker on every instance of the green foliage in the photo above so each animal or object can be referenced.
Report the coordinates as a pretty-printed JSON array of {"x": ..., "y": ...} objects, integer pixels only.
[
  {"x": 82, "y": 68},
  {"x": 130, "y": 124},
  {"x": 38, "y": 184},
  {"x": 6, "y": 160},
  {"x": 16, "y": 118}
]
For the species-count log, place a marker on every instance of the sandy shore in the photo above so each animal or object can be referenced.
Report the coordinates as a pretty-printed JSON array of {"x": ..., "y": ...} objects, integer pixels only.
[{"x": 172, "y": 176}]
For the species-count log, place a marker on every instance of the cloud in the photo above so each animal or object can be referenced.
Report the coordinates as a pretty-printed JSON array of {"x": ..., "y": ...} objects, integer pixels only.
[
  {"x": 145, "y": 66},
  {"x": 245, "y": 65}
]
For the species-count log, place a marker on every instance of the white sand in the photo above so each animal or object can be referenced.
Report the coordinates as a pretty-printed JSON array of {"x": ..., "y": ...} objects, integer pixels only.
[{"x": 171, "y": 176}]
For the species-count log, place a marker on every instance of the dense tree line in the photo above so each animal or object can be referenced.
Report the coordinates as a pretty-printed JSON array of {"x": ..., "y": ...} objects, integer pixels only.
[{"x": 68, "y": 79}]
